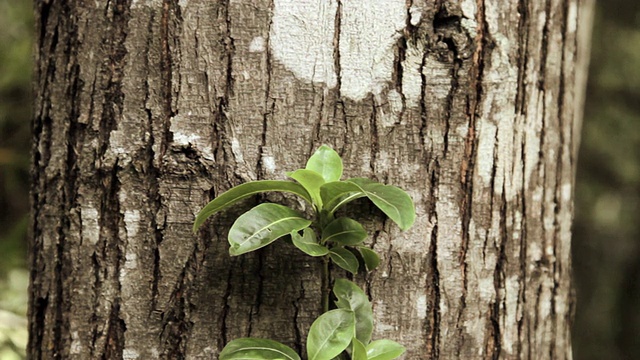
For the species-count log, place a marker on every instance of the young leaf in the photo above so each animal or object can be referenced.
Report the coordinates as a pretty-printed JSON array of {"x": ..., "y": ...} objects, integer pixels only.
[
  {"x": 326, "y": 162},
  {"x": 311, "y": 181},
  {"x": 345, "y": 259},
  {"x": 370, "y": 257},
  {"x": 337, "y": 193},
  {"x": 351, "y": 297},
  {"x": 330, "y": 334},
  {"x": 308, "y": 243},
  {"x": 392, "y": 200},
  {"x": 384, "y": 350},
  {"x": 262, "y": 225},
  {"x": 258, "y": 349},
  {"x": 245, "y": 190},
  {"x": 358, "y": 350},
  {"x": 344, "y": 231}
]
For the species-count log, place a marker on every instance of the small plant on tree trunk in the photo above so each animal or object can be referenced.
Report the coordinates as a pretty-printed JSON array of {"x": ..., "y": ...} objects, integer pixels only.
[{"x": 343, "y": 332}]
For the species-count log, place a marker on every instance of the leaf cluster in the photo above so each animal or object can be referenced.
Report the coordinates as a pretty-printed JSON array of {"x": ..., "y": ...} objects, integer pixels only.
[
  {"x": 319, "y": 184},
  {"x": 346, "y": 329},
  {"x": 344, "y": 332}
]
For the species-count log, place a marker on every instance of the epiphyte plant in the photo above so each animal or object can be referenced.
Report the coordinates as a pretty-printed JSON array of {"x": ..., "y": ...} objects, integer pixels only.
[{"x": 345, "y": 331}]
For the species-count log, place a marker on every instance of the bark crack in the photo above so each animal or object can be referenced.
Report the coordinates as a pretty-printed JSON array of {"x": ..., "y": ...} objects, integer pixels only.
[
  {"x": 522, "y": 57},
  {"x": 257, "y": 302},
  {"x": 375, "y": 141},
  {"x": 166, "y": 60},
  {"x": 559, "y": 173},
  {"x": 226, "y": 308},
  {"x": 339, "y": 106},
  {"x": 522, "y": 296},
  {"x": 499, "y": 279},
  {"x": 400, "y": 57},
  {"x": 296, "y": 324},
  {"x": 152, "y": 181},
  {"x": 110, "y": 262},
  {"x": 336, "y": 47},
  {"x": 269, "y": 109},
  {"x": 176, "y": 325},
  {"x": 423, "y": 107},
  {"x": 433, "y": 281},
  {"x": 433, "y": 323},
  {"x": 449, "y": 103},
  {"x": 113, "y": 70},
  {"x": 116, "y": 328},
  {"x": 544, "y": 48}
]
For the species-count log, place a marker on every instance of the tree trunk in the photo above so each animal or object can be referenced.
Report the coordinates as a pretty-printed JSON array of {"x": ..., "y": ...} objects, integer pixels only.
[{"x": 145, "y": 110}]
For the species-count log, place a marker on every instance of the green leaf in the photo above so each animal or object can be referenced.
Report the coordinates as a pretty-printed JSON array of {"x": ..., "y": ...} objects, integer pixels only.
[
  {"x": 384, "y": 350},
  {"x": 345, "y": 259},
  {"x": 258, "y": 349},
  {"x": 308, "y": 243},
  {"x": 392, "y": 200},
  {"x": 245, "y": 190},
  {"x": 344, "y": 231},
  {"x": 337, "y": 193},
  {"x": 326, "y": 162},
  {"x": 370, "y": 257},
  {"x": 358, "y": 350},
  {"x": 351, "y": 297},
  {"x": 330, "y": 334},
  {"x": 311, "y": 181},
  {"x": 262, "y": 225}
]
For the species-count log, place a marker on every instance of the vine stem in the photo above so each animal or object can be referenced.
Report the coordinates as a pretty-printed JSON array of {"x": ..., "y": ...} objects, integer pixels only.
[
  {"x": 326, "y": 288},
  {"x": 325, "y": 218}
]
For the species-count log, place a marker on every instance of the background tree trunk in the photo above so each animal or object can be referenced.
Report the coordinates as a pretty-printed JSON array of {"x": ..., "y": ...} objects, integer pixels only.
[{"x": 145, "y": 110}]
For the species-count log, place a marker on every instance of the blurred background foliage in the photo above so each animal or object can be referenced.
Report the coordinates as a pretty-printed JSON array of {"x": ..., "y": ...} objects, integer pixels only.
[
  {"x": 606, "y": 241},
  {"x": 607, "y": 225},
  {"x": 16, "y": 39}
]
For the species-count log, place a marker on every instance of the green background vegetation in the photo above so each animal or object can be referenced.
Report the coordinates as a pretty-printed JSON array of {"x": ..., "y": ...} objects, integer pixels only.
[
  {"x": 606, "y": 241},
  {"x": 607, "y": 227},
  {"x": 16, "y": 39}
]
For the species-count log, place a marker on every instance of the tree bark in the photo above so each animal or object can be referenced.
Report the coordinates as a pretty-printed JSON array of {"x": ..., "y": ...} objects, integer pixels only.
[{"x": 145, "y": 110}]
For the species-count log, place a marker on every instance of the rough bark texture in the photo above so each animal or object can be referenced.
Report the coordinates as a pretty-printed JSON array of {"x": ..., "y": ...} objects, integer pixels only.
[{"x": 146, "y": 110}]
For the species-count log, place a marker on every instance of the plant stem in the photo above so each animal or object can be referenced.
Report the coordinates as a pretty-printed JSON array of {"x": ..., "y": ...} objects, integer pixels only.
[{"x": 326, "y": 286}]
